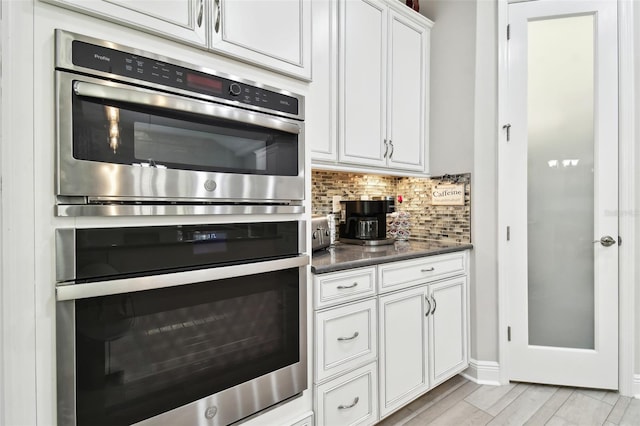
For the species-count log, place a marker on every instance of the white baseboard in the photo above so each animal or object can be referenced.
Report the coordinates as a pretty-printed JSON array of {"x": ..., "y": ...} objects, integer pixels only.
[
  {"x": 483, "y": 372},
  {"x": 636, "y": 386}
]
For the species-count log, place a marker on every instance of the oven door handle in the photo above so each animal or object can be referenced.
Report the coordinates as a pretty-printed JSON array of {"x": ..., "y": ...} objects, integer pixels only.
[
  {"x": 150, "y": 98},
  {"x": 127, "y": 285}
]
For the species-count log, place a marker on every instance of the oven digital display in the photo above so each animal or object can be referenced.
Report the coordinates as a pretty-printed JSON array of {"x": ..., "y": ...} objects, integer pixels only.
[
  {"x": 210, "y": 242},
  {"x": 201, "y": 82}
]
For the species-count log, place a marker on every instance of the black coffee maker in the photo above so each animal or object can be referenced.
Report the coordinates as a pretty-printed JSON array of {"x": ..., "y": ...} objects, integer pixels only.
[{"x": 365, "y": 221}]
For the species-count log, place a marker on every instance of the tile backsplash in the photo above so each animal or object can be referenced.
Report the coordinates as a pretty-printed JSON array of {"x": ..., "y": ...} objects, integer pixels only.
[{"x": 428, "y": 222}]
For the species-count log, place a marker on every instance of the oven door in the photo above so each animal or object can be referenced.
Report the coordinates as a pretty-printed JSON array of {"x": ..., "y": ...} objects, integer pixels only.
[
  {"x": 208, "y": 346},
  {"x": 118, "y": 142}
]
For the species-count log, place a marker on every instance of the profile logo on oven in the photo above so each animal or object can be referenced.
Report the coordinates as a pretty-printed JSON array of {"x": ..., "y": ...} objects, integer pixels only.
[{"x": 102, "y": 57}]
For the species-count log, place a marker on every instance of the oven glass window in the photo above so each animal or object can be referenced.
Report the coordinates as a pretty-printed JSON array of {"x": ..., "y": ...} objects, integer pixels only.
[
  {"x": 146, "y": 137},
  {"x": 143, "y": 353}
]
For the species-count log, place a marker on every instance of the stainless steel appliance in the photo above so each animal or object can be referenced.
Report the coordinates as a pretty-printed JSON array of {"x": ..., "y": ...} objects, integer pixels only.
[
  {"x": 365, "y": 221},
  {"x": 140, "y": 133},
  {"x": 191, "y": 324},
  {"x": 320, "y": 233}
]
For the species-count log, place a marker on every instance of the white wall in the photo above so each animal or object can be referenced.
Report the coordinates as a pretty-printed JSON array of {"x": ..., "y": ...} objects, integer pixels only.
[
  {"x": 451, "y": 130},
  {"x": 463, "y": 138},
  {"x": 484, "y": 177},
  {"x": 637, "y": 184}
]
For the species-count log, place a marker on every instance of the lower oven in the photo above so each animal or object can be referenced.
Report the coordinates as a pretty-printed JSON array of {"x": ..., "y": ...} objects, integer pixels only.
[{"x": 191, "y": 324}]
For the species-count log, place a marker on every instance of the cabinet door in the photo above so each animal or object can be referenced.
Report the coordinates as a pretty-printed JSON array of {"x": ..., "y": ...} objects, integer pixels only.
[
  {"x": 321, "y": 130},
  {"x": 272, "y": 34},
  {"x": 407, "y": 92},
  {"x": 362, "y": 76},
  {"x": 403, "y": 348},
  {"x": 183, "y": 20},
  {"x": 448, "y": 329}
]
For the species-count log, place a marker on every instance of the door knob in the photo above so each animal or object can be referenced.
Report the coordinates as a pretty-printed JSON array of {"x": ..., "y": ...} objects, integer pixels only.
[{"x": 606, "y": 241}]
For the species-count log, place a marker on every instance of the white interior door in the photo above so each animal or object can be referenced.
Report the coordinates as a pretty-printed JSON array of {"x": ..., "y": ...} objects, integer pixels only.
[{"x": 561, "y": 161}]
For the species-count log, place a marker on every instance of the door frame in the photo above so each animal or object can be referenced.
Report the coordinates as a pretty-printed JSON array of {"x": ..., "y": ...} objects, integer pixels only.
[{"x": 626, "y": 204}]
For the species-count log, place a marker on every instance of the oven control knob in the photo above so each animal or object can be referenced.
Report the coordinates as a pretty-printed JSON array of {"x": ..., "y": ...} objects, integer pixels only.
[
  {"x": 235, "y": 89},
  {"x": 210, "y": 185}
]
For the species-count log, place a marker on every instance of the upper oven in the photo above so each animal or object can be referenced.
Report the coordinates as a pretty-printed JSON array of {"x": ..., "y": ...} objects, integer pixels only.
[{"x": 138, "y": 133}]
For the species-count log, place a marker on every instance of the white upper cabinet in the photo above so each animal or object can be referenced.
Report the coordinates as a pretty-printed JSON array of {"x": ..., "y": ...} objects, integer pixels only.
[
  {"x": 383, "y": 87},
  {"x": 182, "y": 20},
  {"x": 275, "y": 34},
  {"x": 376, "y": 117},
  {"x": 321, "y": 102},
  {"x": 362, "y": 76},
  {"x": 407, "y": 93}
]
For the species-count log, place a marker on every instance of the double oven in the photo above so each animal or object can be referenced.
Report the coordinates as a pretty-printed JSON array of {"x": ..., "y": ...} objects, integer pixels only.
[{"x": 179, "y": 323}]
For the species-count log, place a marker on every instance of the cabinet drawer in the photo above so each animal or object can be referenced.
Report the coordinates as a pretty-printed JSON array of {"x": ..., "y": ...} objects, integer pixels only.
[
  {"x": 343, "y": 286},
  {"x": 349, "y": 400},
  {"x": 345, "y": 338},
  {"x": 397, "y": 275}
]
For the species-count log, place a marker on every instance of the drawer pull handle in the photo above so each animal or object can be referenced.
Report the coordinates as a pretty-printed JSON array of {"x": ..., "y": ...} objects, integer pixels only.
[
  {"x": 342, "y": 287},
  {"x": 435, "y": 305},
  {"x": 353, "y": 404},
  {"x": 429, "y": 269},
  {"x": 356, "y": 334}
]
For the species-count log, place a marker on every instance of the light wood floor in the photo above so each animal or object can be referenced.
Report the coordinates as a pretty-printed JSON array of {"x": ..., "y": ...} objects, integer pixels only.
[{"x": 461, "y": 402}]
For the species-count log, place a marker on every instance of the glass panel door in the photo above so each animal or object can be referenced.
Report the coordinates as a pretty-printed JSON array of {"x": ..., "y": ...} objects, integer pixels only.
[{"x": 559, "y": 193}]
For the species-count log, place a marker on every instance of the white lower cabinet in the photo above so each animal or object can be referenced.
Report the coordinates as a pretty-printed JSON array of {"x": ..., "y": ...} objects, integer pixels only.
[
  {"x": 375, "y": 354},
  {"x": 403, "y": 348},
  {"x": 349, "y": 400},
  {"x": 448, "y": 329},
  {"x": 423, "y": 340}
]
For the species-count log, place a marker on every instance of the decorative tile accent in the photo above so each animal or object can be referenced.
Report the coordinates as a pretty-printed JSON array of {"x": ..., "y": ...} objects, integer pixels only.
[{"x": 428, "y": 222}]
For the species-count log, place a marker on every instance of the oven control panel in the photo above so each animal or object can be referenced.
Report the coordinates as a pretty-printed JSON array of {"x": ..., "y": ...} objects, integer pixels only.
[{"x": 145, "y": 69}]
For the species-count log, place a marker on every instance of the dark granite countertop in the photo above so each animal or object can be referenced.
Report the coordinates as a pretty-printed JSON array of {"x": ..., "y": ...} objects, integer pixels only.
[{"x": 347, "y": 256}]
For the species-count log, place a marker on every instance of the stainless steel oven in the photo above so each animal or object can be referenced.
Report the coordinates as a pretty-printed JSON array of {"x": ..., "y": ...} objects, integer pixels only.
[
  {"x": 192, "y": 324},
  {"x": 140, "y": 133}
]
